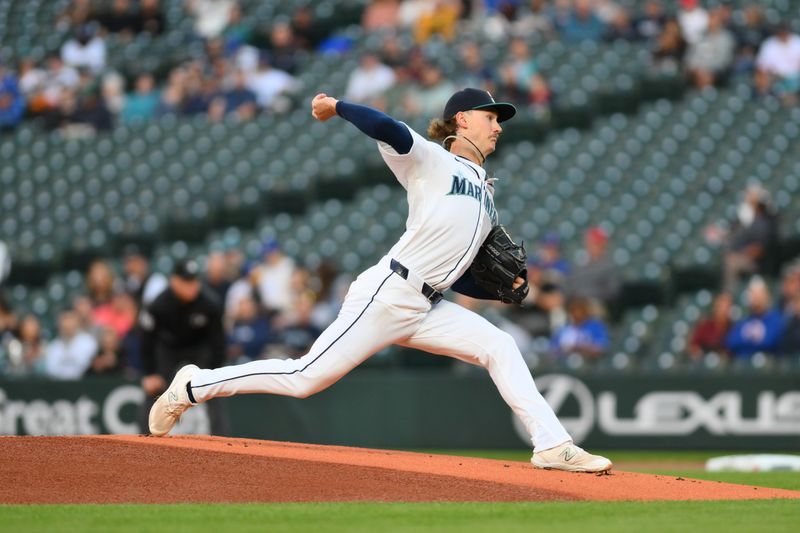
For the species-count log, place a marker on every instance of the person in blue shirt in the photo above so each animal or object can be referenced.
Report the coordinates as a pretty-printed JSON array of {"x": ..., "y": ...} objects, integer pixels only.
[
  {"x": 250, "y": 334},
  {"x": 549, "y": 259},
  {"x": 12, "y": 104},
  {"x": 760, "y": 330},
  {"x": 142, "y": 103},
  {"x": 583, "y": 334},
  {"x": 583, "y": 24}
]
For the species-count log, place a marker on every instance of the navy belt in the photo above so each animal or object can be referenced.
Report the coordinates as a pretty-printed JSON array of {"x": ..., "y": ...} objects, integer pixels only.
[{"x": 429, "y": 292}]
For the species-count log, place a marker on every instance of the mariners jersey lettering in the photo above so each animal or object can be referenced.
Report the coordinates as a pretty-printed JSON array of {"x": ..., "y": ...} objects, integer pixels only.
[{"x": 450, "y": 210}]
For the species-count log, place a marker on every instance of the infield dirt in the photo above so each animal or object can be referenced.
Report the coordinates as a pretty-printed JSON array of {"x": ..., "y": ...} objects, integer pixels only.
[{"x": 138, "y": 469}]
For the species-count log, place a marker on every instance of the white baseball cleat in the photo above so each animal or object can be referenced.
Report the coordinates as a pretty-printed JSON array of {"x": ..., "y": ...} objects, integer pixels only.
[
  {"x": 570, "y": 458},
  {"x": 169, "y": 407}
]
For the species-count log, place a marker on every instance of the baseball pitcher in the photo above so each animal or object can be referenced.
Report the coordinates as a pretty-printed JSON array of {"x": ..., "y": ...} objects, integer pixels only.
[{"x": 452, "y": 241}]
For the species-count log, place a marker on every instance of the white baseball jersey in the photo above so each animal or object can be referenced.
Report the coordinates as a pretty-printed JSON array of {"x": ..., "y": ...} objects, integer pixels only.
[{"x": 451, "y": 210}]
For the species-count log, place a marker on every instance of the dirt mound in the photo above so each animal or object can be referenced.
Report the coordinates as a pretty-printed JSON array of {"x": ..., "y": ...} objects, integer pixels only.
[{"x": 136, "y": 469}]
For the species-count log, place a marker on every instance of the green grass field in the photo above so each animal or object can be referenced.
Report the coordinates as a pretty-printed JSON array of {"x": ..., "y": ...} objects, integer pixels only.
[{"x": 582, "y": 517}]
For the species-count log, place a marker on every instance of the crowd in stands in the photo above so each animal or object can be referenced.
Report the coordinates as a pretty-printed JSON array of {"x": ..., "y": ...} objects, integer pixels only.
[
  {"x": 245, "y": 70},
  {"x": 271, "y": 308},
  {"x": 765, "y": 324},
  {"x": 277, "y": 308}
]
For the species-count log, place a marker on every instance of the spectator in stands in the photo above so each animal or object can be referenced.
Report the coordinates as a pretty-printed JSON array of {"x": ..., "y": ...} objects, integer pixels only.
[
  {"x": 710, "y": 57},
  {"x": 595, "y": 276},
  {"x": 70, "y": 354},
  {"x": 82, "y": 307},
  {"x": 330, "y": 286},
  {"x": 138, "y": 280},
  {"x": 750, "y": 243},
  {"x": 497, "y": 21},
  {"x": 216, "y": 278},
  {"x": 274, "y": 276},
  {"x": 200, "y": 95},
  {"x": 536, "y": 20},
  {"x": 392, "y": 53},
  {"x": 789, "y": 344},
  {"x": 32, "y": 80},
  {"x": 86, "y": 49},
  {"x": 120, "y": 19},
  {"x": 239, "y": 100},
  {"x": 606, "y": 10},
  {"x": 411, "y": 11},
  {"x": 440, "y": 19},
  {"x": 109, "y": 359},
  {"x": 245, "y": 286},
  {"x": 12, "y": 103},
  {"x": 693, "y": 20},
  {"x": 778, "y": 65},
  {"x": 171, "y": 99},
  {"x": 584, "y": 334},
  {"x": 549, "y": 260},
  {"x": 760, "y": 329},
  {"x": 112, "y": 92},
  {"x": 75, "y": 14},
  {"x": 790, "y": 286},
  {"x": 211, "y": 17},
  {"x": 582, "y": 24},
  {"x": 24, "y": 352},
  {"x": 380, "y": 14},
  {"x": 308, "y": 33},
  {"x": 143, "y": 102},
  {"x": 540, "y": 97},
  {"x": 250, "y": 334},
  {"x": 518, "y": 70},
  {"x": 432, "y": 93},
  {"x": 752, "y": 31},
  {"x": 79, "y": 116},
  {"x": 474, "y": 71},
  {"x": 669, "y": 48},
  {"x": 651, "y": 23},
  {"x": 119, "y": 315},
  {"x": 270, "y": 85},
  {"x": 234, "y": 262},
  {"x": 100, "y": 280},
  {"x": 543, "y": 312},
  {"x": 151, "y": 17},
  {"x": 58, "y": 77},
  {"x": 621, "y": 28},
  {"x": 283, "y": 50},
  {"x": 369, "y": 80},
  {"x": 298, "y": 332},
  {"x": 237, "y": 31},
  {"x": 710, "y": 332}
]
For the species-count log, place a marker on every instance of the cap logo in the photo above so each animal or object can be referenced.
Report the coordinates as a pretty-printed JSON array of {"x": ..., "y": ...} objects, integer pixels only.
[{"x": 491, "y": 97}]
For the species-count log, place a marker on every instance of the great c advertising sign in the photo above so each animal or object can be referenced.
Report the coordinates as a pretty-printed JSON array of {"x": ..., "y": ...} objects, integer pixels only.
[{"x": 78, "y": 408}]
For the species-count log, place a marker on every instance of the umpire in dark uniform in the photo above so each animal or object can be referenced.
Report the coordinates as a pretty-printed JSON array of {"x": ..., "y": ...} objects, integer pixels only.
[{"x": 182, "y": 325}]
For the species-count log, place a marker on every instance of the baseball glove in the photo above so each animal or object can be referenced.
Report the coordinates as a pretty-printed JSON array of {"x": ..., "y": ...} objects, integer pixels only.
[{"x": 498, "y": 264}]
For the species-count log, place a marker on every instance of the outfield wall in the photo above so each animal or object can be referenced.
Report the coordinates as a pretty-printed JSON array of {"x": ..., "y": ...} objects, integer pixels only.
[{"x": 437, "y": 410}]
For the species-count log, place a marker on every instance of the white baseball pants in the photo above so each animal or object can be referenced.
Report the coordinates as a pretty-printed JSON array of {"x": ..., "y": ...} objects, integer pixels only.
[{"x": 380, "y": 309}]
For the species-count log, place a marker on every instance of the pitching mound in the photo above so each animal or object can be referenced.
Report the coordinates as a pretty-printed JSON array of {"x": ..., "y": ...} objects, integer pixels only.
[{"x": 136, "y": 469}]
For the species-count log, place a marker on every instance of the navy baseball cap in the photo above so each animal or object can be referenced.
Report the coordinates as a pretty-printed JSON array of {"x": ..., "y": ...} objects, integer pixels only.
[
  {"x": 188, "y": 270},
  {"x": 470, "y": 99}
]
